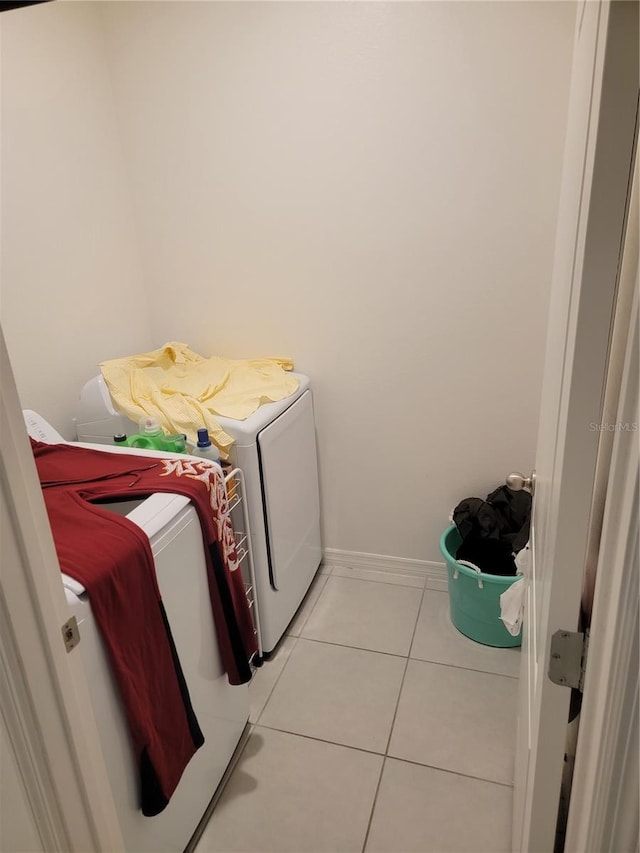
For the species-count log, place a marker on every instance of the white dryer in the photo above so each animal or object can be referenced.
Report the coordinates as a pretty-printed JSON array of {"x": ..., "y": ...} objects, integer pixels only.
[
  {"x": 222, "y": 710},
  {"x": 276, "y": 449}
]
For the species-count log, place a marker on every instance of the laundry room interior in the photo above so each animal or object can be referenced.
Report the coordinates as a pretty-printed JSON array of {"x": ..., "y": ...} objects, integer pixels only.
[{"x": 369, "y": 189}]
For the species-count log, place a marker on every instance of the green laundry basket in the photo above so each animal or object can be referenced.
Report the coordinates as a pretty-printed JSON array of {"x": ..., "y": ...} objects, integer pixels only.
[{"x": 474, "y": 597}]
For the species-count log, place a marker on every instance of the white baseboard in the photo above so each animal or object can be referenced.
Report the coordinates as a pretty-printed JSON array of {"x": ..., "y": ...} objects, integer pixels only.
[{"x": 433, "y": 574}]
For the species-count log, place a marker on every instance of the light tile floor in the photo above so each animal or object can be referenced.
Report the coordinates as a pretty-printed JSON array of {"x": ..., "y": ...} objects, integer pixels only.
[{"x": 376, "y": 727}]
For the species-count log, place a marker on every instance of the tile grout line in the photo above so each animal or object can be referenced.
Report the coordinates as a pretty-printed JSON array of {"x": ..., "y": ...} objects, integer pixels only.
[
  {"x": 203, "y": 823},
  {"x": 509, "y": 785},
  {"x": 383, "y": 755},
  {"x": 315, "y": 604},
  {"x": 467, "y": 668},
  {"x": 384, "y": 583},
  {"x": 278, "y": 677},
  {"x": 355, "y": 648},
  {"x": 404, "y": 674},
  {"x": 398, "y": 654},
  {"x": 373, "y": 804},
  {"x": 318, "y": 739},
  {"x": 393, "y": 721}
]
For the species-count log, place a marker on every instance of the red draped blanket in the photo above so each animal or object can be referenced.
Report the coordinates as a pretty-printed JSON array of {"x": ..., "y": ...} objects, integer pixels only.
[{"x": 112, "y": 558}]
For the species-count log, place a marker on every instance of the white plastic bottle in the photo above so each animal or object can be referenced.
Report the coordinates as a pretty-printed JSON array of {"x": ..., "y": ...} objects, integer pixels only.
[{"x": 205, "y": 448}]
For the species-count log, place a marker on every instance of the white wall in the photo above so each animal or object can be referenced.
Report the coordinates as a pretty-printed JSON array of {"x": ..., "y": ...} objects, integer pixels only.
[
  {"x": 72, "y": 289},
  {"x": 371, "y": 189}
]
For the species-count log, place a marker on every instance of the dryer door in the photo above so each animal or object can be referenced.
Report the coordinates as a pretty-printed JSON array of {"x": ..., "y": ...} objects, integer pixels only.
[{"x": 289, "y": 469}]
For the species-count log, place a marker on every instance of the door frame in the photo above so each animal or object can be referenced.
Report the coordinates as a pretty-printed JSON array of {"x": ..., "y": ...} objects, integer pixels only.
[
  {"x": 44, "y": 697},
  {"x": 591, "y": 226},
  {"x": 603, "y": 808}
]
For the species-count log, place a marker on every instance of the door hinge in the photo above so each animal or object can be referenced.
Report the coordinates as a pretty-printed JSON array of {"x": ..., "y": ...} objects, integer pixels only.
[
  {"x": 70, "y": 634},
  {"x": 568, "y": 658}
]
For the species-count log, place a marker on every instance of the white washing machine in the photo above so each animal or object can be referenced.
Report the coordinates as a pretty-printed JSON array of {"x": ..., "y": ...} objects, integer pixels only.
[
  {"x": 276, "y": 449},
  {"x": 222, "y": 710}
]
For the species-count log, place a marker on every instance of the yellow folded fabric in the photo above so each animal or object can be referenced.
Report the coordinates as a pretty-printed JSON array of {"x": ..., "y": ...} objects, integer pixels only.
[{"x": 186, "y": 391}]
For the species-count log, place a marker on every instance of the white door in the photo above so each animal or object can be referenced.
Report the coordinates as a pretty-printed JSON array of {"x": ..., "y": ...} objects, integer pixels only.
[
  {"x": 591, "y": 221},
  {"x": 603, "y": 809},
  {"x": 48, "y": 722}
]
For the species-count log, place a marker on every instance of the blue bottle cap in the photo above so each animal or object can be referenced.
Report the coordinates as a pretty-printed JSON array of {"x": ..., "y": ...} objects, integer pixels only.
[{"x": 203, "y": 438}]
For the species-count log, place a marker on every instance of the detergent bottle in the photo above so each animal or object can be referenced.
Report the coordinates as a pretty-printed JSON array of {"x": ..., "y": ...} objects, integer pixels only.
[
  {"x": 151, "y": 437},
  {"x": 176, "y": 443},
  {"x": 205, "y": 448}
]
